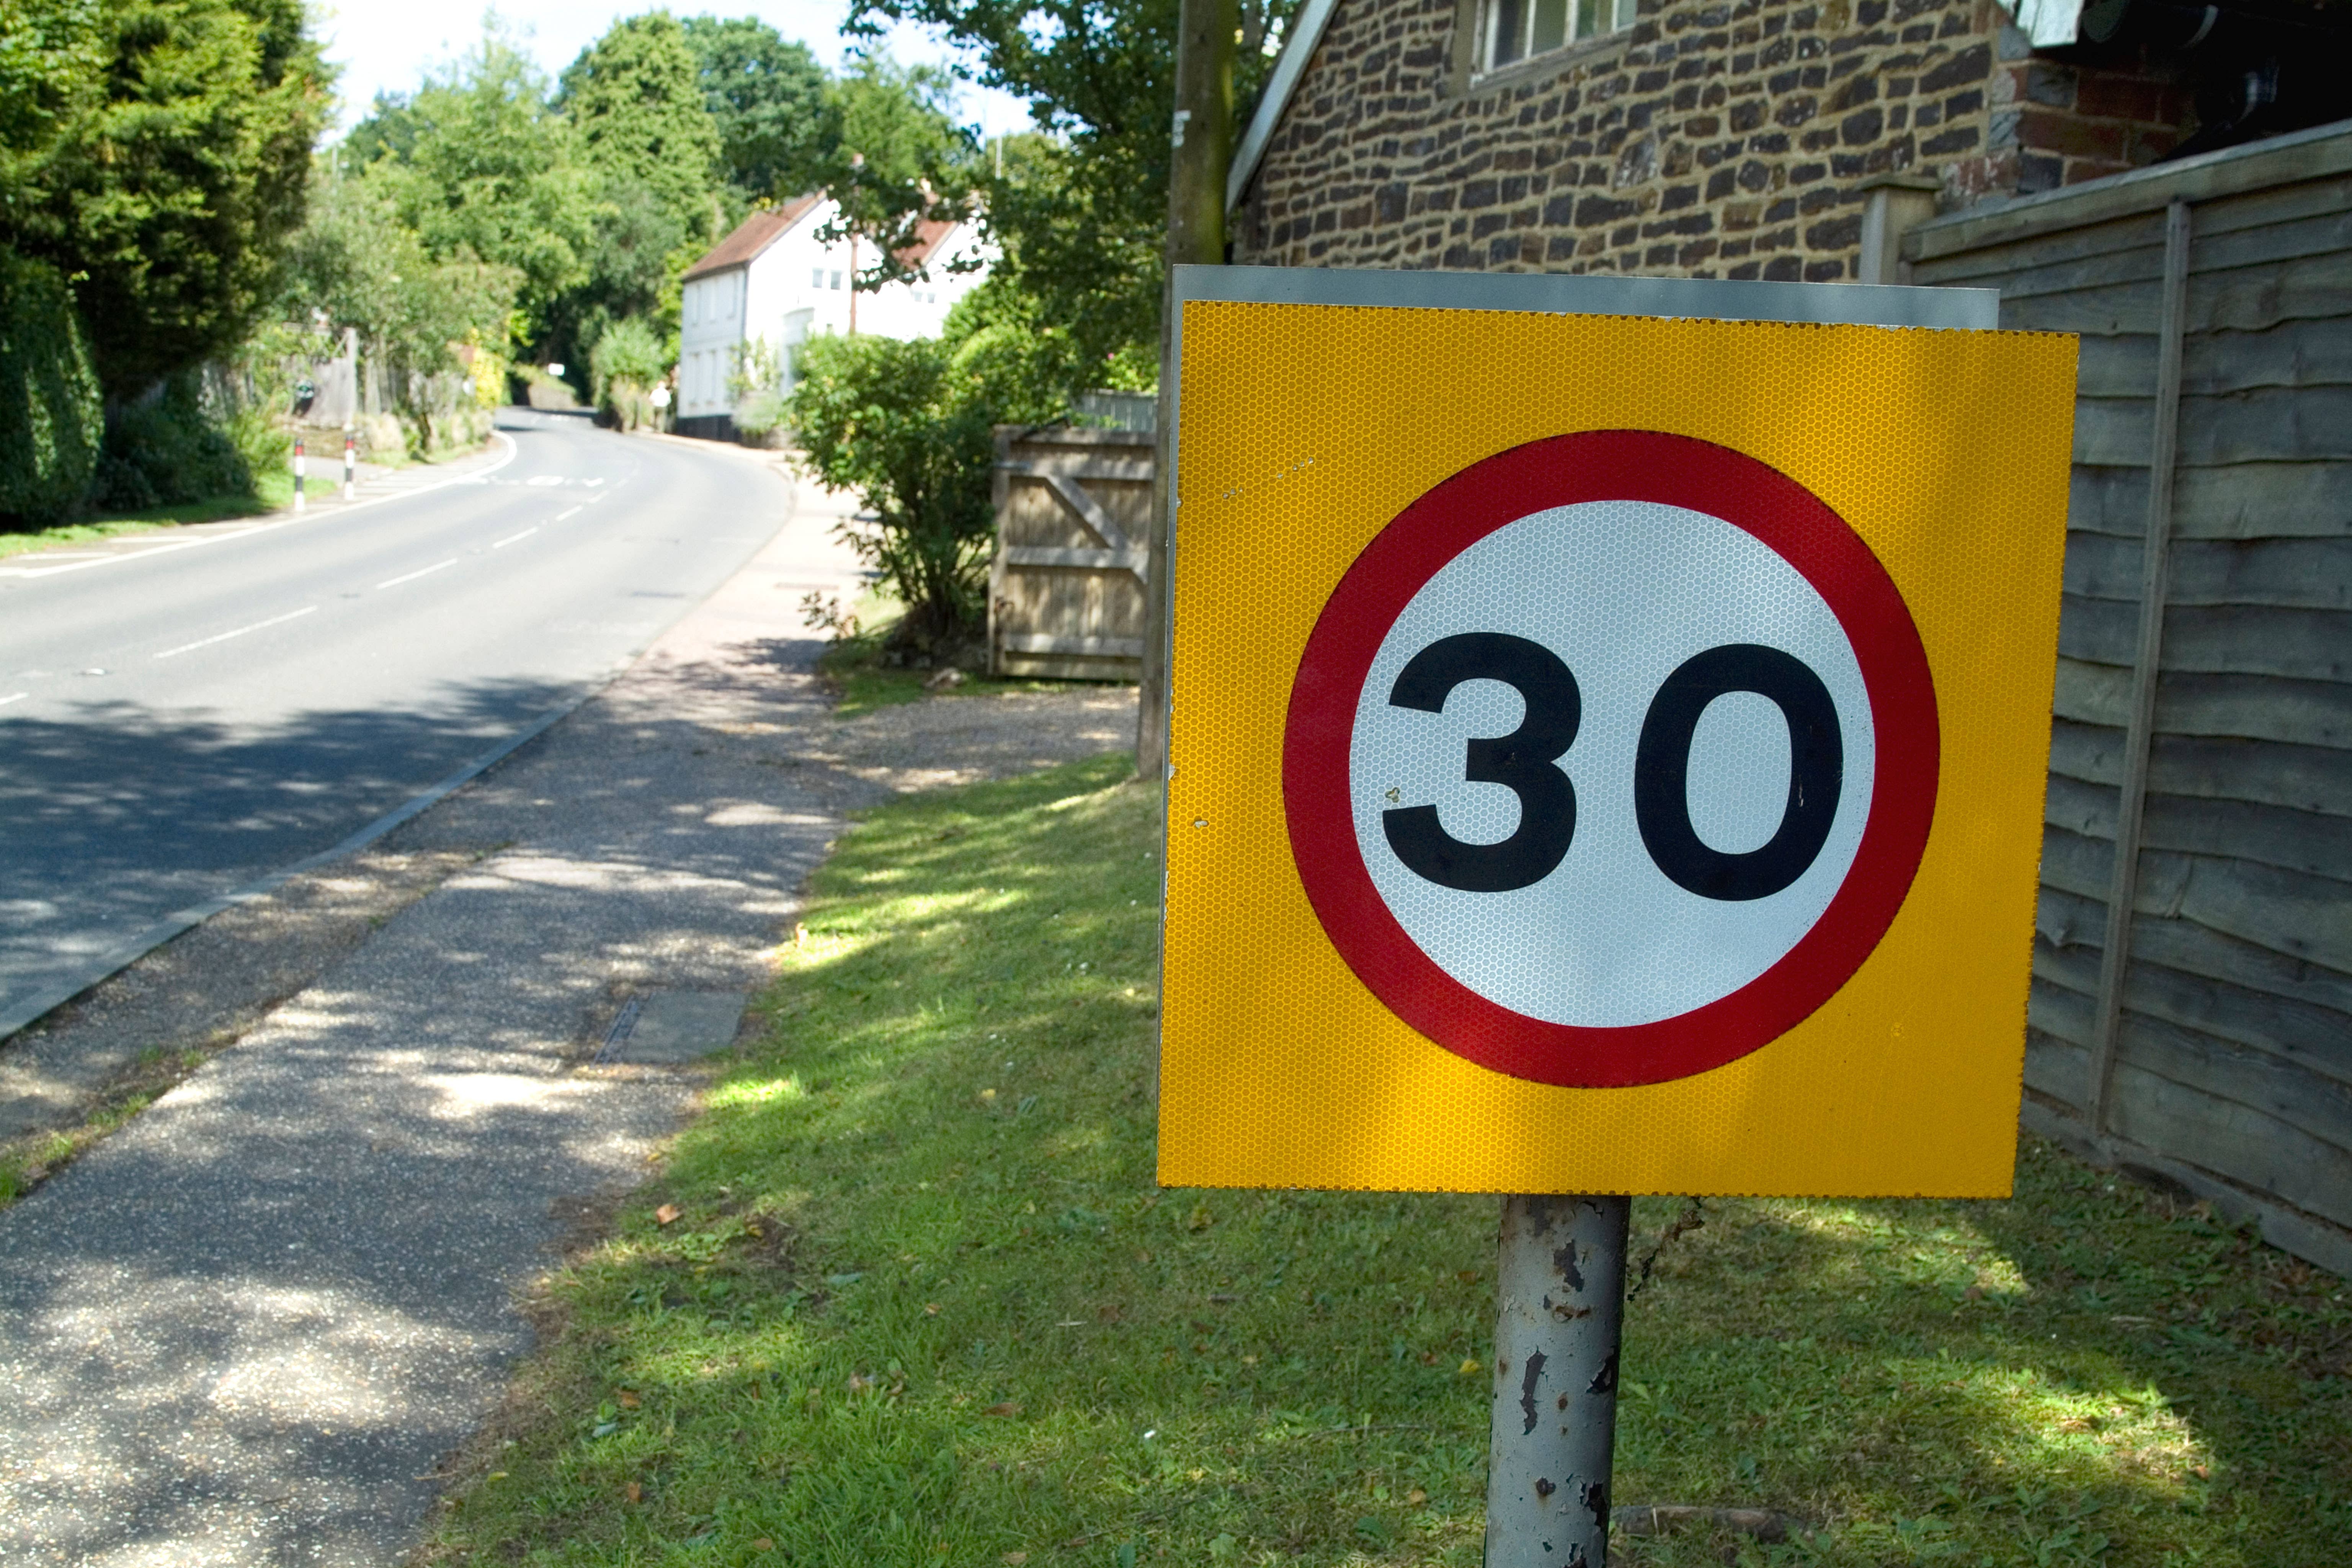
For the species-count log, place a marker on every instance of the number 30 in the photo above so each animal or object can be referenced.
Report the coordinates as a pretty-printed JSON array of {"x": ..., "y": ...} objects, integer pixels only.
[{"x": 1524, "y": 763}]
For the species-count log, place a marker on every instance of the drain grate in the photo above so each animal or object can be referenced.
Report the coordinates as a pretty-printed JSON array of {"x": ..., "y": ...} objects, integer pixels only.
[
  {"x": 623, "y": 1026},
  {"x": 670, "y": 1028}
]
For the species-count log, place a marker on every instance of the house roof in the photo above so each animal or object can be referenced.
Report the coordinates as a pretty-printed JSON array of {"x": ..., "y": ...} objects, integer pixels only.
[
  {"x": 751, "y": 236},
  {"x": 1305, "y": 32},
  {"x": 929, "y": 236}
]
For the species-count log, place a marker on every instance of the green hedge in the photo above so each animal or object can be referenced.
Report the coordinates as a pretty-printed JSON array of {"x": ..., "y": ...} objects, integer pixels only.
[
  {"x": 166, "y": 448},
  {"x": 51, "y": 416}
]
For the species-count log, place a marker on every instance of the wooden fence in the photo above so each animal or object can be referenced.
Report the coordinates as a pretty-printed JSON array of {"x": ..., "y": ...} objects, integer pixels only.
[
  {"x": 1066, "y": 589},
  {"x": 2201, "y": 744}
]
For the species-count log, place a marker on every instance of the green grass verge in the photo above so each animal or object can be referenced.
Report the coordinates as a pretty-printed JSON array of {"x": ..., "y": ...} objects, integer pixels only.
[
  {"x": 274, "y": 490},
  {"x": 906, "y": 1295}
]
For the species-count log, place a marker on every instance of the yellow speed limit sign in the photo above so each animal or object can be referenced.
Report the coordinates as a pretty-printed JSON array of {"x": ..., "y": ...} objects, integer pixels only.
[{"x": 1608, "y": 730}]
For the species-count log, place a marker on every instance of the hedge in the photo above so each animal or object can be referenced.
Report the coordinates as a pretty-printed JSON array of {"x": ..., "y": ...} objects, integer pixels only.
[{"x": 51, "y": 415}]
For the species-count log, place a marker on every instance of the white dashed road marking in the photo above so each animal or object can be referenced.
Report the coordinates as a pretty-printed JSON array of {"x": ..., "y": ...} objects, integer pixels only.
[
  {"x": 224, "y": 636},
  {"x": 413, "y": 576}
]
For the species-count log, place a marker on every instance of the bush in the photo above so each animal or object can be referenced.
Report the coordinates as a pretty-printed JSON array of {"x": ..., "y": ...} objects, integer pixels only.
[
  {"x": 623, "y": 368},
  {"x": 759, "y": 412},
  {"x": 166, "y": 449},
  {"x": 50, "y": 413},
  {"x": 894, "y": 422}
]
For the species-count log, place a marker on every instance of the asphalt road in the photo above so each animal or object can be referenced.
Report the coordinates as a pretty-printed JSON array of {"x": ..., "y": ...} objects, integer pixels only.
[{"x": 174, "y": 726}]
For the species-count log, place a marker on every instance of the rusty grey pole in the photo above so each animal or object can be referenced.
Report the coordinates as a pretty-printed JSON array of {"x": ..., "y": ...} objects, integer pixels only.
[{"x": 1559, "y": 1298}]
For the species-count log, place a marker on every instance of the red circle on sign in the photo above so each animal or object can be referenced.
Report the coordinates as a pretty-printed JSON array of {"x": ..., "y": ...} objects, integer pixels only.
[{"x": 1565, "y": 470}]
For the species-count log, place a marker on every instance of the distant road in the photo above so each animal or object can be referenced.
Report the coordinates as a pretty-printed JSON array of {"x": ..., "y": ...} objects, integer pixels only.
[{"x": 173, "y": 726}]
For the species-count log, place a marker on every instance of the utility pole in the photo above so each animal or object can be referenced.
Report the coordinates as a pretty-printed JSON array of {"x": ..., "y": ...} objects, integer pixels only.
[{"x": 1201, "y": 138}]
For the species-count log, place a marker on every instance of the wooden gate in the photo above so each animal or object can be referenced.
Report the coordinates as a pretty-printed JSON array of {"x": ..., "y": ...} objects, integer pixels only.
[
  {"x": 1066, "y": 591},
  {"x": 2201, "y": 748}
]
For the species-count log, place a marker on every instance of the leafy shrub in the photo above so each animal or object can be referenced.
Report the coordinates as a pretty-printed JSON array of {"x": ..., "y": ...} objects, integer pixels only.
[
  {"x": 760, "y": 411},
  {"x": 895, "y": 423},
  {"x": 167, "y": 449},
  {"x": 624, "y": 366},
  {"x": 50, "y": 412}
]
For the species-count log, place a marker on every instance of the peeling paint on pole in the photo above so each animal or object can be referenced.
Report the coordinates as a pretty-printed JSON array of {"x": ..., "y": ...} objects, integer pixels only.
[{"x": 1559, "y": 1300}]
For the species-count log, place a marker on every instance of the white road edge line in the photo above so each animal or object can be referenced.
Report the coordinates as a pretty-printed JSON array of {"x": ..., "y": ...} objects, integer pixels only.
[
  {"x": 516, "y": 538},
  {"x": 224, "y": 636},
  {"x": 413, "y": 576},
  {"x": 573, "y": 513},
  {"x": 470, "y": 477},
  {"x": 13, "y": 697}
]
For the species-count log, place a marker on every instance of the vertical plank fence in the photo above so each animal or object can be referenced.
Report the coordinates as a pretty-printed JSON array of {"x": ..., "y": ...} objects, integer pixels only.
[
  {"x": 1066, "y": 590},
  {"x": 2200, "y": 777}
]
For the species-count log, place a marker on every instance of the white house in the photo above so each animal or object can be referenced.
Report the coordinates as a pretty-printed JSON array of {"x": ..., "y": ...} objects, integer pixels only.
[{"x": 773, "y": 280}]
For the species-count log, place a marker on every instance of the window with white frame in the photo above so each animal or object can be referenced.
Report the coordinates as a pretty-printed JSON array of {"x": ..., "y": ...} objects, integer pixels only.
[{"x": 1522, "y": 29}]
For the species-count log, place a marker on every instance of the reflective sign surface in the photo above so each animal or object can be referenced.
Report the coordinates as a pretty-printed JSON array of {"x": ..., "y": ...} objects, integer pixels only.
[{"x": 1626, "y": 778}]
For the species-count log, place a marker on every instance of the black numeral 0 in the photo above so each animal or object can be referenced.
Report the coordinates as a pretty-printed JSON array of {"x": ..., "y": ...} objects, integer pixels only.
[
  {"x": 1521, "y": 761},
  {"x": 1524, "y": 763},
  {"x": 1662, "y": 771}
]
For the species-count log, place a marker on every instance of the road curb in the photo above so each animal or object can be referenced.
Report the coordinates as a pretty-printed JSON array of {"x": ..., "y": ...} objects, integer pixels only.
[{"x": 19, "y": 1015}]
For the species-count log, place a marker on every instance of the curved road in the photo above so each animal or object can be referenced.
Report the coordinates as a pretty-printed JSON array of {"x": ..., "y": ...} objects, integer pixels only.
[{"x": 177, "y": 724}]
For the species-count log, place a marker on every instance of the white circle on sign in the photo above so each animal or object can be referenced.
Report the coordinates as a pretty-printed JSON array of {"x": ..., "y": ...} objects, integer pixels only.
[{"x": 1623, "y": 593}]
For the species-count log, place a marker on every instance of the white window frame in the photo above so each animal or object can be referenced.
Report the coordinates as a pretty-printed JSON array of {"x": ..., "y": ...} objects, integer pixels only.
[{"x": 1515, "y": 31}]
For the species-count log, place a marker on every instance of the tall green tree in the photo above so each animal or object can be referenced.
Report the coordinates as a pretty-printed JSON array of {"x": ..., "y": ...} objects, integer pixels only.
[
  {"x": 359, "y": 264},
  {"x": 636, "y": 101},
  {"x": 777, "y": 124},
  {"x": 902, "y": 159},
  {"x": 636, "y": 105},
  {"x": 51, "y": 57},
  {"x": 168, "y": 184},
  {"x": 482, "y": 169},
  {"x": 1080, "y": 213}
]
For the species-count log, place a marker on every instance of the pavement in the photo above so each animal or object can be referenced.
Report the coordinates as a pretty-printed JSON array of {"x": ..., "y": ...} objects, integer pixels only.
[{"x": 247, "y": 1328}]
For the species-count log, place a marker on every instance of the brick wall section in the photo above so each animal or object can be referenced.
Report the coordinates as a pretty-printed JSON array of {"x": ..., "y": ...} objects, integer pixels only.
[
  {"x": 2076, "y": 122},
  {"x": 1713, "y": 138}
]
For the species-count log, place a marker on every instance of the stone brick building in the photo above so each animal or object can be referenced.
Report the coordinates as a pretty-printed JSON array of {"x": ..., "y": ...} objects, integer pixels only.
[{"x": 1707, "y": 138}]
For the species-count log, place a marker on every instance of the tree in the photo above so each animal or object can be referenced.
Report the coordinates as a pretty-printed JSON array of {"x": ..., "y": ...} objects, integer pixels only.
[
  {"x": 902, "y": 160},
  {"x": 357, "y": 263},
  {"x": 169, "y": 185},
  {"x": 777, "y": 125},
  {"x": 478, "y": 166},
  {"x": 636, "y": 101},
  {"x": 637, "y": 107},
  {"x": 50, "y": 59},
  {"x": 1080, "y": 211}
]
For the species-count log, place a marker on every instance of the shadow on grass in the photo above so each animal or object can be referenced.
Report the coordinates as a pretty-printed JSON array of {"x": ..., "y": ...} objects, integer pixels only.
[{"x": 918, "y": 1301}]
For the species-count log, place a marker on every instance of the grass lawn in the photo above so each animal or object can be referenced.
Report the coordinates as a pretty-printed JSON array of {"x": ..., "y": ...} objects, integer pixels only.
[
  {"x": 274, "y": 490},
  {"x": 906, "y": 1295}
]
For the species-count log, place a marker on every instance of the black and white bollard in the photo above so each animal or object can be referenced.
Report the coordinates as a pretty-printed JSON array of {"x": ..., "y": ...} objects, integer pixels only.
[
  {"x": 350, "y": 463},
  {"x": 297, "y": 473},
  {"x": 1559, "y": 1298}
]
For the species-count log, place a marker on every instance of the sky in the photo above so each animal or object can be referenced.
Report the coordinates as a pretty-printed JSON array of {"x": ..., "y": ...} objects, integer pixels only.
[{"x": 386, "y": 44}]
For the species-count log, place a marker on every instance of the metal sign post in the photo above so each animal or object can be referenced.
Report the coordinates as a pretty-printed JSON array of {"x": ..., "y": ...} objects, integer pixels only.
[{"x": 1559, "y": 1297}]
